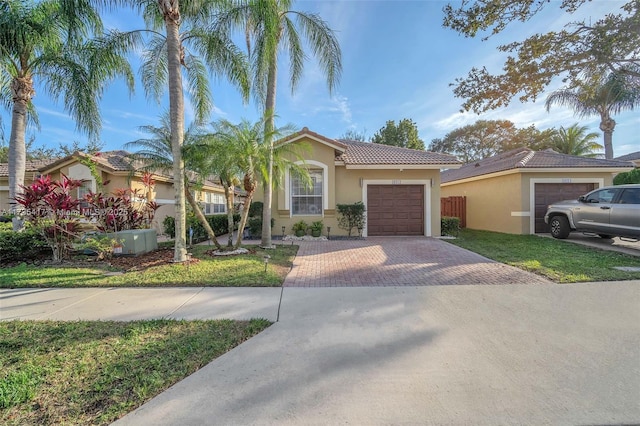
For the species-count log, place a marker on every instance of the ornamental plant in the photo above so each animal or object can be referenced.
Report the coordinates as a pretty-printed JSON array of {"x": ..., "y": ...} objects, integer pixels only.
[
  {"x": 125, "y": 209},
  {"x": 351, "y": 216},
  {"x": 50, "y": 208}
]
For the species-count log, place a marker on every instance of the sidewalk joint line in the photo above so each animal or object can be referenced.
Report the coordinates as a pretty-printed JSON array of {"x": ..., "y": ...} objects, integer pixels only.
[
  {"x": 74, "y": 303},
  {"x": 184, "y": 303},
  {"x": 279, "y": 304}
]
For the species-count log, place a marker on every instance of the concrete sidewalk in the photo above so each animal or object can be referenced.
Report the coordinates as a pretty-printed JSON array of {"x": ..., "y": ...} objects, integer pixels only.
[{"x": 126, "y": 304}]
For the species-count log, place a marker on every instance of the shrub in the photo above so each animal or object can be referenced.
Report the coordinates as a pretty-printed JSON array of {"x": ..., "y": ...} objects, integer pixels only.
[
  {"x": 24, "y": 245},
  {"x": 300, "y": 228},
  {"x": 351, "y": 216},
  {"x": 255, "y": 209},
  {"x": 632, "y": 176},
  {"x": 450, "y": 226},
  {"x": 316, "y": 228},
  {"x": 101, "y": 245},
  {"x": 217, "y": 222},
  {"x": 254, "y": 225}
]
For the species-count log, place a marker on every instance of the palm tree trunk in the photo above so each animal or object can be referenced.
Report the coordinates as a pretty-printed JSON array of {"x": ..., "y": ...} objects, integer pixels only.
[
  {"x": 171, "y": 12},
  {"x": 243, "y": 218},
  {"x": 228, "y": 193},
  {"x": 607, "y": 125},
  {"x": 269, "y": 110},
  {"x": 201, "y": 217},
  {"x": 22, "y": 91}
]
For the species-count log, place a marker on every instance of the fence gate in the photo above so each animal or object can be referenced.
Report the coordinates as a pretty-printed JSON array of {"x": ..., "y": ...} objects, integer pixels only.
[{"x": 454, "y": 207}]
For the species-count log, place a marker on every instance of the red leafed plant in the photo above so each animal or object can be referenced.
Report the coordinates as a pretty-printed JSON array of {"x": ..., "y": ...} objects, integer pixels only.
[
  {"x": 125, "y": 209},
  {"x": 50, "y": 207}
]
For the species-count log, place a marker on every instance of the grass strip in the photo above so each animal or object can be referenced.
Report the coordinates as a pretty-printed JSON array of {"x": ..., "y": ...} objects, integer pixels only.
[
  {"x": 93, "y": 372},
  {"x": 559, "y": 261},
  {"x": 247, "y": 270}
]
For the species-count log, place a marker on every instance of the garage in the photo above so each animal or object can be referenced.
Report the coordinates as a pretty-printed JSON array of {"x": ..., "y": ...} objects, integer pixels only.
[
  {"x": 548, "y": 193},
  {"x": 395, "y": 210}
]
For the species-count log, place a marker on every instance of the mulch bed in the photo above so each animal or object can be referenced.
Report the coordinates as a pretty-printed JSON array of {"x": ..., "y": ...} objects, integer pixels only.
[{"x": 162, "y": 256}]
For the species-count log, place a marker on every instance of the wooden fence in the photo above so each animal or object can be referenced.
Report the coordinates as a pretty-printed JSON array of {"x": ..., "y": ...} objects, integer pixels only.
[{"x": 454, "y": 207}]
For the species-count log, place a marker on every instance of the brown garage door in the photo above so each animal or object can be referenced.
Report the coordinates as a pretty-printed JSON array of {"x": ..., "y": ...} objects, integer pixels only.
[
  {"x": 547, "y": 193},
  {"x": 395, "y": 210}
]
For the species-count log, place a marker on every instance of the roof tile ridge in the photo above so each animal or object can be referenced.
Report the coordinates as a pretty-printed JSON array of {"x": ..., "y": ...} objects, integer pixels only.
[{"x": 526, "y": 159}]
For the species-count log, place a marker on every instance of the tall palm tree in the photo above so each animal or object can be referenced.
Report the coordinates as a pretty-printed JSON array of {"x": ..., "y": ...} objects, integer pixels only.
[
  {"x": 156, "y": 155},
  {"x": 272, "y": 25},
  {"x": 617, "y": 93},
  {"x": 47, "y": 41},
  {"x": 187, "y": 33},
  {"x": 575, "y": 140}
]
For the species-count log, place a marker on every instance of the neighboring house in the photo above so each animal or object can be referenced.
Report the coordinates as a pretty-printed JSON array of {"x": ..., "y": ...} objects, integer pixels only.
[
  {"x": 634, "y": 157},
  {"x": 400, "y": 187},
  {"x": 117, "y": 171},
  {"x": 510, "y": 192},
  {"x": 32, "y": 171}
]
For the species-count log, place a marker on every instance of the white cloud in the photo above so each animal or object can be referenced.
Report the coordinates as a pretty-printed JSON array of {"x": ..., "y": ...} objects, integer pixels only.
[{"x": 54, "y": 113}]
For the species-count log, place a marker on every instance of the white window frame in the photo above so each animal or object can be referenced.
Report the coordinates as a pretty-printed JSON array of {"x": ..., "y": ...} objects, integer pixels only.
[
  {"x": 311, "y": 164},
  {"x": 210, "y": 203}
]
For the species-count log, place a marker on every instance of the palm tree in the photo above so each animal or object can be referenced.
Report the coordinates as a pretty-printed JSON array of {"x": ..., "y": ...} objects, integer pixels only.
[
  {"x": 576, "y": 141},
  {"x": 46, "y": 41},
  {"x": 156, "y": 155},
  {"x": 617, "y": 93},
  {"x": 187, "y": 33},
  {"x": 272, "y": 25},
  {"x": 245, "y": 144}
]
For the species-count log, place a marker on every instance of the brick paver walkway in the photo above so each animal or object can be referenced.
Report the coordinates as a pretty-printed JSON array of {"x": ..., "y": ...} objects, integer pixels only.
[{"x": 396, "y": 261}]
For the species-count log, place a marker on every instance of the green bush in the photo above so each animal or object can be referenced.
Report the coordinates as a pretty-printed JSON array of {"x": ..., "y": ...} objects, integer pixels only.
[
  {"x": 351, "y": 216},
  {"x": 255, "y": 210},
  {"x": 254, "y": 225},
  {"x": 450, "y": 226},
  {"x": 218, "y": 223},
  {"x": 24, "y": 245},
  {"x": 632, "y": 176},
  {"x": 300, "y": 228}
]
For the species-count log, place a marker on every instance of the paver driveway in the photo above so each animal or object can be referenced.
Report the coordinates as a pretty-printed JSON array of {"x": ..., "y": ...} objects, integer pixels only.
[{"x": 397, "y": 261}]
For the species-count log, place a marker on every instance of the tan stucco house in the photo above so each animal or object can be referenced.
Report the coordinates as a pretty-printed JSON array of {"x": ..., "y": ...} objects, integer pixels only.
[
  {"x": 400, "y": 187},
  {"x": 118, "y": 172},
  {"x": 634, "y": 157},
  {"x": 510, "y": 192}
]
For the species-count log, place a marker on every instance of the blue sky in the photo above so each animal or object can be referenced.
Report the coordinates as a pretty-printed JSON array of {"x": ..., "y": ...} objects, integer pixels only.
[{"x": 398, "y": 62}]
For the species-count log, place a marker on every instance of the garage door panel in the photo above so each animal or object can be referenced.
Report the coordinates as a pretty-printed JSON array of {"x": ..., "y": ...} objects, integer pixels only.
[
  {"x": 549, "y": 193},
  {"x": 395, "y": 210}
]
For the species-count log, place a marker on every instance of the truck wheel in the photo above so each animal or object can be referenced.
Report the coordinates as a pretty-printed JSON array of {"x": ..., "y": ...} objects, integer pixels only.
[{"x": 559, "y": 227}]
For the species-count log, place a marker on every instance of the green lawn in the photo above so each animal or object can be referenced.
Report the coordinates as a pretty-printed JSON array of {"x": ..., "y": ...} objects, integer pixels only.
[
  {"x": 560, "y": 261},
  {"x": 239, "y": 271},
  {"x": 79, "y": 373}
]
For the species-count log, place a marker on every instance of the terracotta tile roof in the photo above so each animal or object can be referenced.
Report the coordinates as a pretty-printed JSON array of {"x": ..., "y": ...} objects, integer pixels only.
[
  {"x": 31, "y": 166},
  {"x": 525, "y": 158},
  {"x": 367, "y": 153},
  {"x": 306, "y": 131},
  {"x": 372, "y": 154},
  {"x": 629, "y": 157},
  {"x": 112, "y": 161}
]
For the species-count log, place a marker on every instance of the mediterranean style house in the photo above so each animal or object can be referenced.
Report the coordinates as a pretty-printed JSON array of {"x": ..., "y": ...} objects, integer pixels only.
[
  {"x": 399, "y": 187},
  {"x": 117, "y": 171},
  {"x": 510, "y": 192}
]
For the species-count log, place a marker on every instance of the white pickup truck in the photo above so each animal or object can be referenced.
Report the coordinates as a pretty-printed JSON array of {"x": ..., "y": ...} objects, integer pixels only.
[{"x": 612, "y": 211}]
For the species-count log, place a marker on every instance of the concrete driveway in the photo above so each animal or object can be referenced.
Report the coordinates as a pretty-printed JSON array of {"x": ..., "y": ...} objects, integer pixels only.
[{"x": 397, "y": 261}]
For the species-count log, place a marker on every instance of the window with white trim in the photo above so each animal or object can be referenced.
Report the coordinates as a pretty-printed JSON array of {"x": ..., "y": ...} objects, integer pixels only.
[
  {"x": 85, "y": 188},
  {"x": 214, "y": 203},
  {"x": 307, "y": 199}
]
